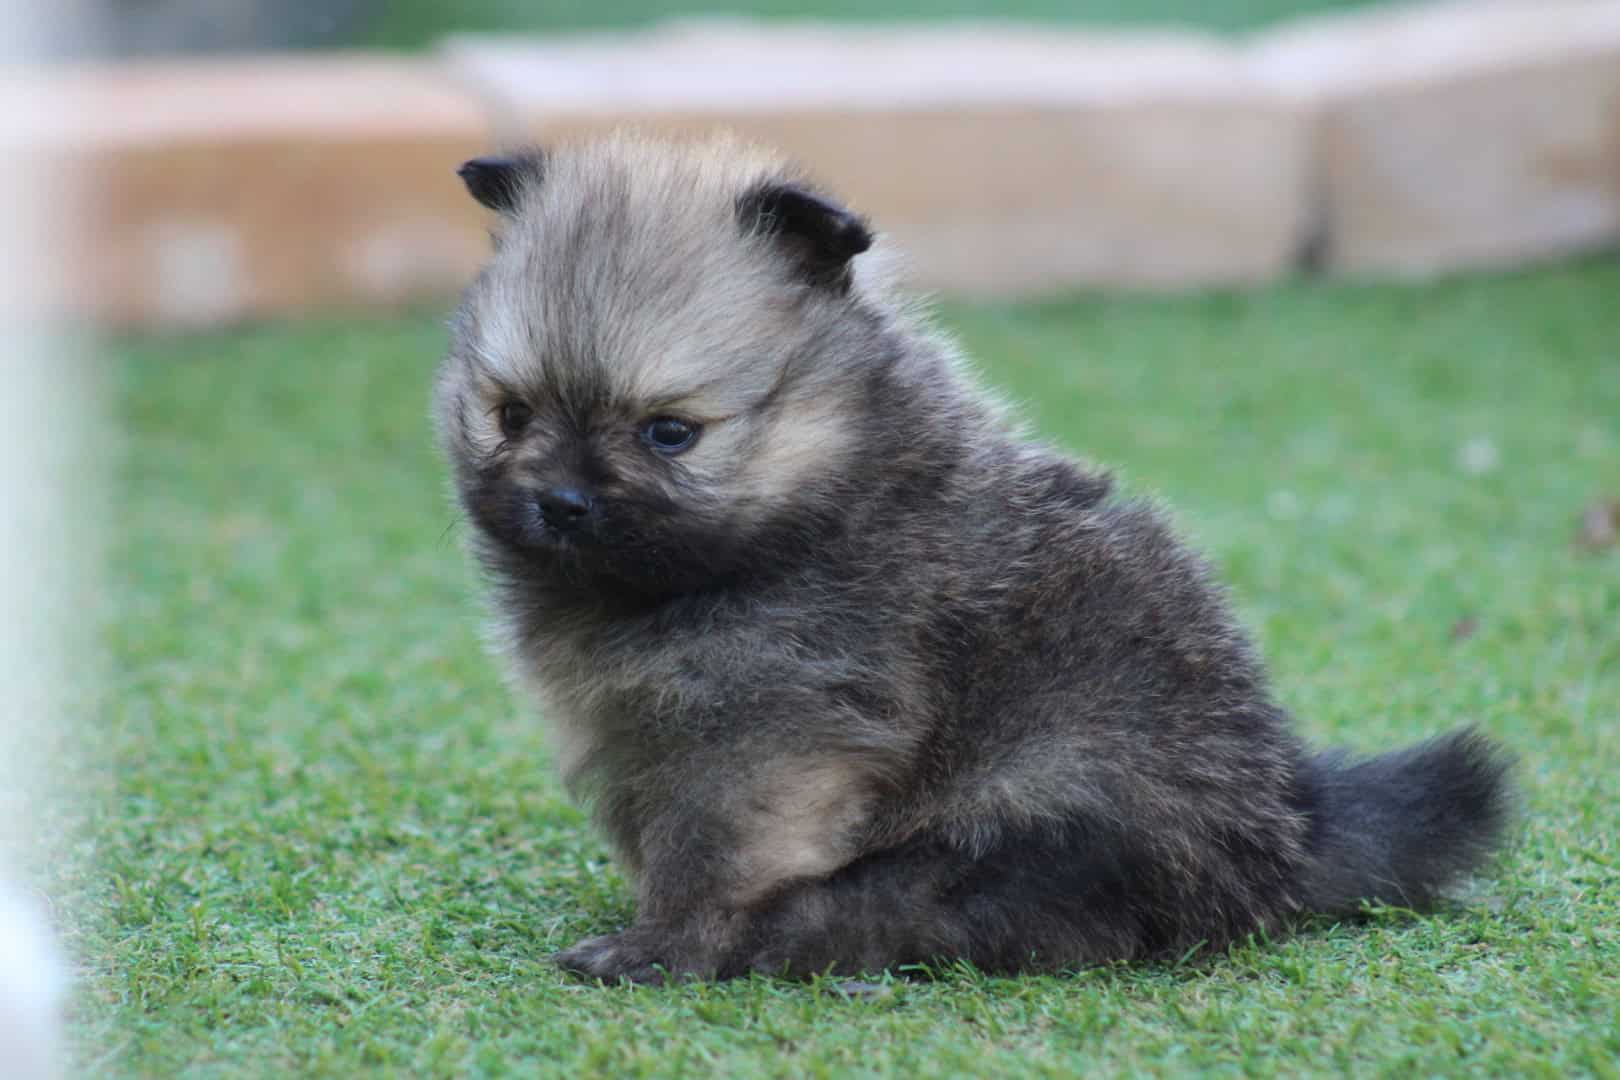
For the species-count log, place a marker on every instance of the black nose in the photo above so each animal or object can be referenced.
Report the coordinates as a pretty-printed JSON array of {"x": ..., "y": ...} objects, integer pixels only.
[{"x": 564, "y": 508}]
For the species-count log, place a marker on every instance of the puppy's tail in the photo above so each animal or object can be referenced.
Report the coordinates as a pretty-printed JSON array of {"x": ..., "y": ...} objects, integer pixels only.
[{"x": 1402, "y": 827}]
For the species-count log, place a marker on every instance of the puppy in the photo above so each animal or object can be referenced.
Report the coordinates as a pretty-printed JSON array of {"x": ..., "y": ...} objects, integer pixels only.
[{"x": 852, "y": 674}]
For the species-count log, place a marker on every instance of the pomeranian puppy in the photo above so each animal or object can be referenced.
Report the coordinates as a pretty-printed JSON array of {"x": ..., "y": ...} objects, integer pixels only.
[{"x": 851, "y": 673}]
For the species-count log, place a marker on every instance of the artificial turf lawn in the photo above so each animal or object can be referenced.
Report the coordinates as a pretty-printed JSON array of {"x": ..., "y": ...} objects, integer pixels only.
[{"x": 323, "y": 839}]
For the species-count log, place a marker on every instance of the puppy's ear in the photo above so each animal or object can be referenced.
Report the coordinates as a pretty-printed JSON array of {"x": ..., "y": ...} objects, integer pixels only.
[
  {"x": 498, "y": 180},
  {"x": 820, "y": 236}
]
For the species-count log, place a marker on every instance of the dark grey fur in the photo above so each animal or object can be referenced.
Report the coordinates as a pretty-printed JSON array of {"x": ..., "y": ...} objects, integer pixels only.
[{"x": 864, "y": 677}]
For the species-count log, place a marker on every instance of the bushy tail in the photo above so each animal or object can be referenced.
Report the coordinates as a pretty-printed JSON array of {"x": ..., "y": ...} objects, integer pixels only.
[{"x": 1402, "y": 827}]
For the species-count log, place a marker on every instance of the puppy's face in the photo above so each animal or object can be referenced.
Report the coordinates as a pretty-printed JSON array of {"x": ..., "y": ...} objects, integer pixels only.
[{"x": 654, "y": 375}]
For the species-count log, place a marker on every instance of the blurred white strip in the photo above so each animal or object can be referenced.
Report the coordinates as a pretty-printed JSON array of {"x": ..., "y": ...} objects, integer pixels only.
[
  {"x": 31, "y": 991},
  {"x": 45, "y": 410}
]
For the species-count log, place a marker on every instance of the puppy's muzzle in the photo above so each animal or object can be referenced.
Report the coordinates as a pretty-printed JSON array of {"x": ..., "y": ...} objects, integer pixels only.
[{"x": 565, "y": 509}]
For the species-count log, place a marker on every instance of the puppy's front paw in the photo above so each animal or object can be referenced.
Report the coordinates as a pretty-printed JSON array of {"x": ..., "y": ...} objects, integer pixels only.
[
  {"x": 629, "y": 954},
  {"x": 640, "y": 954}
]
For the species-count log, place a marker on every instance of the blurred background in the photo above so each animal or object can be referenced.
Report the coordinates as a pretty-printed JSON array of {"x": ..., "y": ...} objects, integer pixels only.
[
  {"x": 227, "y": 159},
  {"x": 166, "y": 27}
]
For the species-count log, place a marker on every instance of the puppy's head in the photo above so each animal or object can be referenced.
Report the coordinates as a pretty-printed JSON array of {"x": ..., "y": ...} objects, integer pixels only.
[{"x": 662, "y": 376}]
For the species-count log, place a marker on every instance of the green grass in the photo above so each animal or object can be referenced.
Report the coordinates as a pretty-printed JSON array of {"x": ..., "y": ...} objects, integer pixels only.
[
  {"x": 417, "y": 23},
  {"x": 327, "y": 842}
]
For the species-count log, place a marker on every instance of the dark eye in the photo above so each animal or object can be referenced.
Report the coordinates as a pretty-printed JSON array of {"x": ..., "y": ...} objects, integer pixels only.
[
  {"x": 515, "y": 416},
  {"x": 668, "y": 435}
]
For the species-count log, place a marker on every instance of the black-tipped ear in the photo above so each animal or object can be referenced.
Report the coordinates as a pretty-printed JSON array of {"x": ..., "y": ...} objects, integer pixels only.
[
  {"x": 821, "y": 235},
  {"x": 497, "y": 181}
]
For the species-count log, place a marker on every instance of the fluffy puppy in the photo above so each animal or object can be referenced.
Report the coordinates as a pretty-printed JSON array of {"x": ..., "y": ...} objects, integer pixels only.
[{"x": 851, "y": 674}]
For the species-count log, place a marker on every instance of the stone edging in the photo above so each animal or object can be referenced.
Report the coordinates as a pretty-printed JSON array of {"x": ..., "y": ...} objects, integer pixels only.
[{"x": 1003, "y": 161}]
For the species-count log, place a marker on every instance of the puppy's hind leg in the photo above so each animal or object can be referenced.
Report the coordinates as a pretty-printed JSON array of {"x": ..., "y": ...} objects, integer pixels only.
[{"x": 1041, "y": 898}]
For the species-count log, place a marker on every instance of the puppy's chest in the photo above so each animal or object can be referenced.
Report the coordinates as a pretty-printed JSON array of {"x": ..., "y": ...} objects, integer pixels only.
[
  {"x": 606, "y": 700},
  {"x": 588, "y": 701},
  {"x": 615, "y": 704}
]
